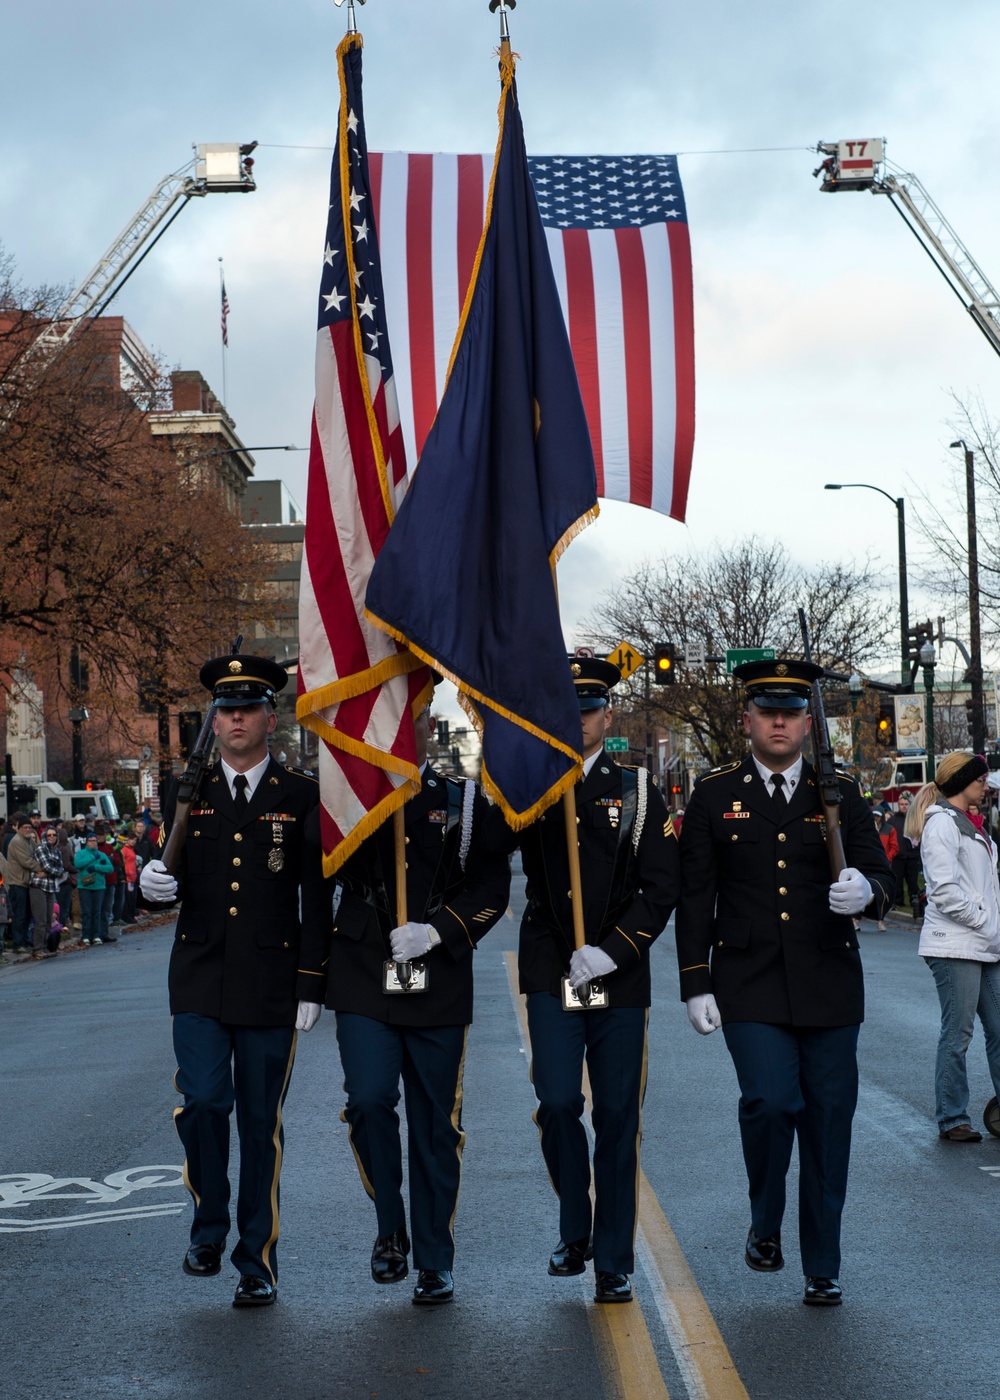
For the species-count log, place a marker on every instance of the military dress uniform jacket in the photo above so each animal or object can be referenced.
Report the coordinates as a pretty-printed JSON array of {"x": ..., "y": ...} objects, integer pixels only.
[
  {"x": 629, "y": 892},
  {"x": 754, "y": 926},
  {"x": 461, "y": 905},
  {"x": 241, "y": 953}
]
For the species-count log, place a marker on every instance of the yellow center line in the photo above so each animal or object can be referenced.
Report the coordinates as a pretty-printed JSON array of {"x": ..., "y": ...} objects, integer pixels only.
[{"x": 621, "y": 1332}]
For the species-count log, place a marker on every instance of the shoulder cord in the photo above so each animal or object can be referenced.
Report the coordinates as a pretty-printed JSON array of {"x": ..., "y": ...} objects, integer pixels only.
[
  {"x": 640, "y": 816},
  {"x": 468, "y": 806}
]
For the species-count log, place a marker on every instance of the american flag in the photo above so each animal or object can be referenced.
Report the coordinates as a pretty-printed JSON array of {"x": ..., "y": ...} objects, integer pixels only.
[
  {"x": 617, "y": 232},
  {"x": 357, "y": 687},
  {"x": 225, "y": 315}
]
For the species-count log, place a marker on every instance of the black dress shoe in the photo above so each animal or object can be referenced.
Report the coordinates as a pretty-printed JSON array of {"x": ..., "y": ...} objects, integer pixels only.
[
  {"x": 823, "y": 1293},
  {"x": 763, "y": 1253},
  {"x": 612, "y": 1288},
  {"x": 254, "y": 1292},
  {"x": 568, "y": 1259},
  {"x": 434, "y": 1286},
  {"x": 203, "y": 1259},
  {"x": 389, "y": 1258}
]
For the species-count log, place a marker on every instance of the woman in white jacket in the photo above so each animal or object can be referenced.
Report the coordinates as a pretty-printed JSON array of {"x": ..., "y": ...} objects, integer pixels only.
[{"x": 960, "y": 939}]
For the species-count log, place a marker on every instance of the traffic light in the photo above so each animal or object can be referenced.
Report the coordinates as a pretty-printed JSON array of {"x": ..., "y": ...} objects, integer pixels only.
[
  {"x": 886, "y": 730},
  {"x": 189, "y": 727},
  {"x": 665, "y": 664},
  {"x": 915, "y": 638}
]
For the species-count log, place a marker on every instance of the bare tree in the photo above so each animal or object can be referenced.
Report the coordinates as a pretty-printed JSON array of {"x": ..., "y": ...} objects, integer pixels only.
[
  {"x": 742, "y": 596},
  {"x": 109, "y": 547},
  {"x": 943, "y": 520}
]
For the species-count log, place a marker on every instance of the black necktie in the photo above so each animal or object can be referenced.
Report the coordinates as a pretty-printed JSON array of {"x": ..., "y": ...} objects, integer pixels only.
[
  {"x": 240, "y": 794},
  {"x": 778, "y": 795}
]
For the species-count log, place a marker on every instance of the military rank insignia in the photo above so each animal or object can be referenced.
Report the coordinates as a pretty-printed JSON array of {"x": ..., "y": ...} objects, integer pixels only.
[{"x": 439, "y": 817}]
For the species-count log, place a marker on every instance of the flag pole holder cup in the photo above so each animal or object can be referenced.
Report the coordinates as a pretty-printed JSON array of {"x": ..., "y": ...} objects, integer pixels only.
[
  {"x": 590, "y": 996},
  {"x": 404, "y": 978}
]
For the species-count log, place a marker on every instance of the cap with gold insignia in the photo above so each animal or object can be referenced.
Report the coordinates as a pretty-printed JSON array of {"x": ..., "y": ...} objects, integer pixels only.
[
  {"x": 778, "y": 685},
  {"x": 593, "y": 679},
  {"x": 236, "y": 681}
]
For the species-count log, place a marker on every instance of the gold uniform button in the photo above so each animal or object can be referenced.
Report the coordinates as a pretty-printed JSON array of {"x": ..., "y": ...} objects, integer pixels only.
[
  {"x": 719, "y": 944},
  {"x": 184, "y": 938},
  {"x": 234, "y": 910},
  {"x": 781, "y": 836},
  {"x": 197, "y": 833},
  {"x": 235, "y": 886},
  {"x": 782, "y": 889},
  {"x": 236, "y": 860},
  {"x": 286, "y": 945},
  {"x": 781, "y": 865},
  {"x": 238, "y": 836},
  {"x": 735, "y": 837},
  {"x": 786, "y": 917},
  {"x": 406, "y": 842}
]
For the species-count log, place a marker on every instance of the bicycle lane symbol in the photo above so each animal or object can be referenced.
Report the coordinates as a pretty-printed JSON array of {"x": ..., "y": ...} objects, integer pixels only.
[{"x": 31, "y": 1192}]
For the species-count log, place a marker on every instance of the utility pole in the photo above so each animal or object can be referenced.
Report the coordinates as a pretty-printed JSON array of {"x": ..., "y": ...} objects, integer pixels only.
[{"x": 975, "y": 638}]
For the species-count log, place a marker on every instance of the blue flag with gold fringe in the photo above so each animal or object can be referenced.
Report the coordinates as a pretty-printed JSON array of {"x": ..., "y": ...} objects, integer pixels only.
[{"x": 506, "y": 479}]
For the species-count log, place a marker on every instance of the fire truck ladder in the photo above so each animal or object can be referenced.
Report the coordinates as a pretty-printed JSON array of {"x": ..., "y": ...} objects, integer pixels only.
[
  {"x": 216, "y": 169},
  {"x": 942, "y": 244}
]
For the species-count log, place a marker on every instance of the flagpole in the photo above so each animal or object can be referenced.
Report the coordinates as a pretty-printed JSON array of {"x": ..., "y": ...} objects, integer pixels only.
[
  {"x": 352, "y": 25},
  {"x": 569, "y": 797},
  {"x": 225, "y": 338}
]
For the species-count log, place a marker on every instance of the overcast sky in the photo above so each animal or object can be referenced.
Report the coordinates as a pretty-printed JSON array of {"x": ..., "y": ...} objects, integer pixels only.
[{"x": 827, "y": 344}]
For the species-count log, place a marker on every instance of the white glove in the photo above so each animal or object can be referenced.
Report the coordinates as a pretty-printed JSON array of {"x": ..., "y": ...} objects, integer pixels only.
[
  {"x": 587, "y": 963},
  {"x": 993, "y": 779},
  {"x": 309, "y": 1014},
  {"x": 157, "y": 883},
  {"x": 851, "y": 893},
  {"x": 703, "y": 1013},
  {"x": 411, "y": 941}
]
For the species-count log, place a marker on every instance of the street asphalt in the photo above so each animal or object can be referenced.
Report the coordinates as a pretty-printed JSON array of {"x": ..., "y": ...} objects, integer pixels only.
[{"x": 94, "y": 1220}]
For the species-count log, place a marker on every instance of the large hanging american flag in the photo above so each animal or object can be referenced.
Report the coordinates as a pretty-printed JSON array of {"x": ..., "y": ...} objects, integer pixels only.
[
  {"x": 617, "y": 232},
  {"x": 357, "y": 688}
]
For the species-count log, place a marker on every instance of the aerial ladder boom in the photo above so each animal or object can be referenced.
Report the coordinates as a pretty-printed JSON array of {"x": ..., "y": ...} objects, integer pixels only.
[
  {"x": 861, "y": 165},
  {"x": 217, "y": 168}
]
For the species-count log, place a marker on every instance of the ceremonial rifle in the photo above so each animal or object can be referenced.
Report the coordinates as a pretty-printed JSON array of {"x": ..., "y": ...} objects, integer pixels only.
[
  {"x": 823, "y": 762},
  {"x": 189, "y": 784}
]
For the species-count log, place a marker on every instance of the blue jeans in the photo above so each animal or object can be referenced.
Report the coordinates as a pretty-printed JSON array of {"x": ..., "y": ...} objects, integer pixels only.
[
  {"x": 965, "y": 989},
  {"x": 90, "y": 913}
]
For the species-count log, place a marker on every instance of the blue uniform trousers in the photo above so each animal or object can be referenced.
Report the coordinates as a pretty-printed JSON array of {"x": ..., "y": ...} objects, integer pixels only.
[
  {"x": 804, "y": 1081},
  {"x": 431, "y": 1062},
  {"x": 217, "y": 1066},
  {"x": 614, "y": 1042}
]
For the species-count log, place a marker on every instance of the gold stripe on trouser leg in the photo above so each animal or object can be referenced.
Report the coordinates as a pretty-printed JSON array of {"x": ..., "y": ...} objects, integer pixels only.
[
  {"x": 177, "y": 1111},
  {"x": 456, "y": 1122},
  {"x": 184, "y": 1170},
  {"x": 266, "y": 1251}
]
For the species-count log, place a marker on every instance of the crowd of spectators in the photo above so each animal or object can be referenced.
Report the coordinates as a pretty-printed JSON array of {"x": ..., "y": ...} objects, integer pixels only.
[{"x": 71, "y": 883}]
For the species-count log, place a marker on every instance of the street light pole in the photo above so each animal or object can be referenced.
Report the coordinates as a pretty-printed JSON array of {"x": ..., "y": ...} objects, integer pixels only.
[
  {"x": 904, "y": 613},
  {"x": 975, "y": 638}
]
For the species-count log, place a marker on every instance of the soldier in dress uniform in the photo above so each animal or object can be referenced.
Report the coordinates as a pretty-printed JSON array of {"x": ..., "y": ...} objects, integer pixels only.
[
  {"x": 630, "y": 879},
  {"x": 768, "y": 949},
  {"x": 245, "y": 969},
  {"x": 455, "y": 892}
]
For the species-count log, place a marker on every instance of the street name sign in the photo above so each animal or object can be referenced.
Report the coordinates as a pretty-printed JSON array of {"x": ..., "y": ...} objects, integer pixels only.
[
  {"x": 737, "y": 658},
  {"x": 616, "y": 745}
]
